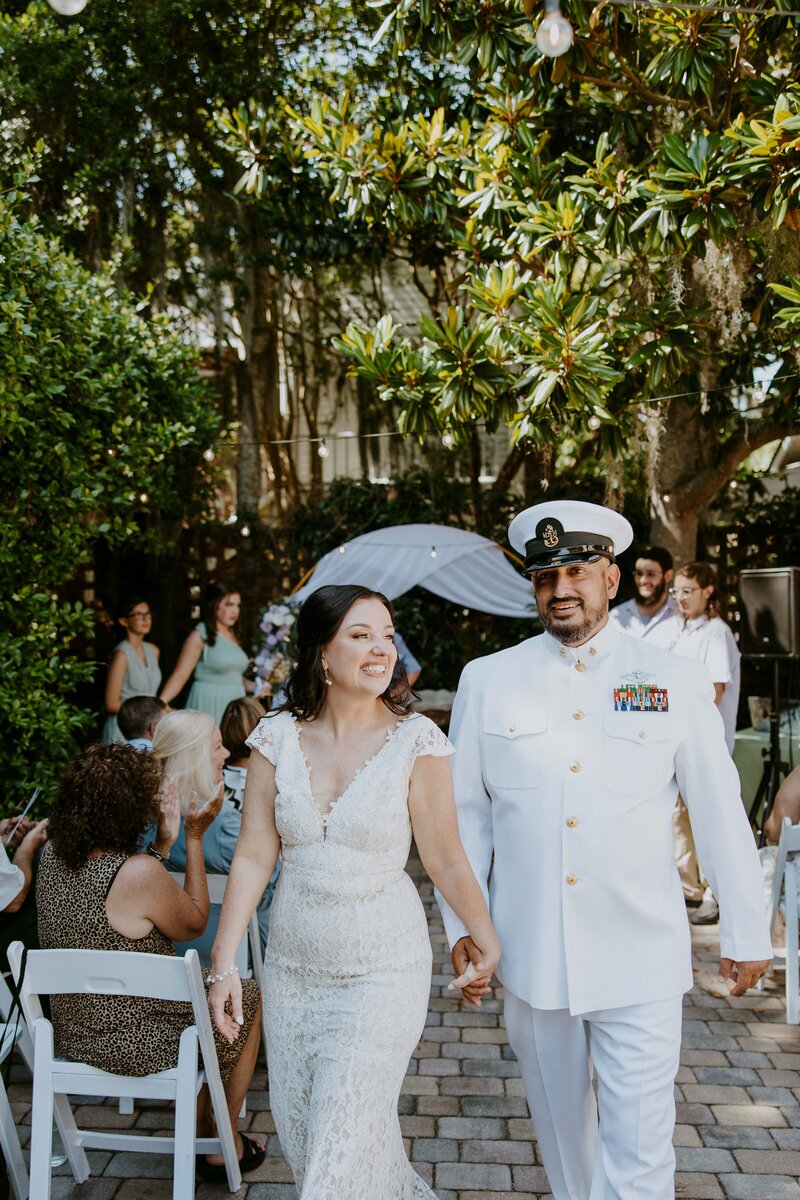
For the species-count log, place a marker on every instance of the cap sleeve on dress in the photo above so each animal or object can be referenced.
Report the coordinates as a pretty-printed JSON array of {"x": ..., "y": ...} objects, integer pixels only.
[
  {"x": 429, "y": 739},
  {"x": 261, "y": 739}
]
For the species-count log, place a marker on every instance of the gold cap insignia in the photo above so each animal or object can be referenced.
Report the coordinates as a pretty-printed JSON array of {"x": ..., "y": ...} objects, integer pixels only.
[{"x": 549, "y": 537}]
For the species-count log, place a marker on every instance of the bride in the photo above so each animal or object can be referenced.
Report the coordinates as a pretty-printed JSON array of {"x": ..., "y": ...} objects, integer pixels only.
[{"x": 345, "y": 773}]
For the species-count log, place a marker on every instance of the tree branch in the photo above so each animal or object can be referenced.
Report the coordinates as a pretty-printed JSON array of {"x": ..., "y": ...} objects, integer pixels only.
[{"x": 691, "y": 497}]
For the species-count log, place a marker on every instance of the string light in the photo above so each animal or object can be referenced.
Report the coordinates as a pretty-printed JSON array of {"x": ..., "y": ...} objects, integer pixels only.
[
  {"x": 245, "y": 531},
  {"x": 759, "y": 394},
  {"x": 448, "y": 440},
  {"x": 342, "y": 549},
  {"x": 322, "y": 449},
  {"x": 594, "y": 423},
  {"x": 554, "y": 35},
  {"x": 695, "y": 6},
  {"x": 209, "y": 455},
  {"x": 434, "y": 552},
  {"x": 143, "y": 497}
]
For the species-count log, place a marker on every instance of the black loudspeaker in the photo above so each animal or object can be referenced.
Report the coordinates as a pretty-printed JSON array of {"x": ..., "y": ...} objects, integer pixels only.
[{"x": 770, "y": 612}]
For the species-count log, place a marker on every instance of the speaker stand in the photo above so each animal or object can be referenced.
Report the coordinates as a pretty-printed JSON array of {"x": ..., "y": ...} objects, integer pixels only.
[{"x": 773, "y": 767}]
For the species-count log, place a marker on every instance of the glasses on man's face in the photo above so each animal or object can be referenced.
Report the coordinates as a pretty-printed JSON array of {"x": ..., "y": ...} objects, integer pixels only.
[
  {"x": 140, "y": 615},
  {"x": 682, "y": 593}
]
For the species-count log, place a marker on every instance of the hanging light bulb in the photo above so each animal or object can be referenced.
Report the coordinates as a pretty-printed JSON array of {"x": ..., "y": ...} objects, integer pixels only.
[
  {"x": 434, "y": 552},
  {"x": 245, "y": 531},
  {"x": 448, "y": 440},
  {"x": 594, "y": 423},
  {"x": 341, "y": 549},
  {"x": 758, "y": 394},
  {"x": 209, "y": 455},
  {"x": 554, "y": 35},
  {"x": 322, "y": 449},
  {"x": 68, "y": 8},
  {"x": 143, "y": 497}
]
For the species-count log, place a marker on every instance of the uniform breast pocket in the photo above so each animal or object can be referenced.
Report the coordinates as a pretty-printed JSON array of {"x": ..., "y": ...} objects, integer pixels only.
[
  {"x": 514, "y": 747},
  {"x": 639, "y": 756}
]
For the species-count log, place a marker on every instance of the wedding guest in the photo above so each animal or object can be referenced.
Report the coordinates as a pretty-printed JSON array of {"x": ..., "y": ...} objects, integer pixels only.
[
  {"x": 134, "y": 668},
  {"x": 340, "y": 778},
  {"x": 188, "y": 744},
  {"x": 704, "y": 636},
  {"x": 97, "y": 891},
  {"x": 138, "y": 718},
  {"x": 213, "y": 656},
  {"x": 238, "y": 722},
  {"x": 17, "y": 890}
]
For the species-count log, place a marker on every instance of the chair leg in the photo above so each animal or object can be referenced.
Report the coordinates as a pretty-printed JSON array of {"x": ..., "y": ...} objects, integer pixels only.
[
  {"x": 12, "y": 1150},
  {"x": 792, "y": 965},
  {"x": 185, "y": 1116}
]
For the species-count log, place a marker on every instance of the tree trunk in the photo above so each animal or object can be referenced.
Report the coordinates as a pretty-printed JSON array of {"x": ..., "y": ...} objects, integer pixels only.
[{"x": 260, "y": 335}]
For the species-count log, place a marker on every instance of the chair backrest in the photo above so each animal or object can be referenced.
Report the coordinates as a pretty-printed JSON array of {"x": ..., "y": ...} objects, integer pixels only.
[
  {"x": 109, "y": 973},
  {"x": 789, "y": 843}
]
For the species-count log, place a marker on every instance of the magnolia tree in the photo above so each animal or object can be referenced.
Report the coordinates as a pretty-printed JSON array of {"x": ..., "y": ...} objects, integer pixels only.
[{"x": 606, "y": 244}]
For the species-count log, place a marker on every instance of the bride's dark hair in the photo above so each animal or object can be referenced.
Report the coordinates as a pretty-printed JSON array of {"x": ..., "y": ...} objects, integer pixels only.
[{"x": 317, "y": 624}]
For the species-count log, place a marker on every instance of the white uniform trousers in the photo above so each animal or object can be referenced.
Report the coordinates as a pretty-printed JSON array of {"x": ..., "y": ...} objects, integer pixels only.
[{"x": 624, "y": 1151}]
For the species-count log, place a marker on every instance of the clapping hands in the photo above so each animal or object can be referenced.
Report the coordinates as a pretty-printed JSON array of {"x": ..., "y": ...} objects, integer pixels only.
[{"x": 197, "y": 821}]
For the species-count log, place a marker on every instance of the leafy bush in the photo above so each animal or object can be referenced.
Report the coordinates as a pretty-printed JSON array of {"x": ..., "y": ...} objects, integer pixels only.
[{"x": 103, "y": 418}]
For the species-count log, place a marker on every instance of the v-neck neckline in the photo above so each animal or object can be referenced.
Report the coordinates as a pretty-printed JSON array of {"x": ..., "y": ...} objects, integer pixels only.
[{"x": 326, "y": 815}]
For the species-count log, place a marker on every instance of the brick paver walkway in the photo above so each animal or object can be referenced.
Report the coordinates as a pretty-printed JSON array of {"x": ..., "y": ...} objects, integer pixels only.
[{"x": 465, "y": 1120}]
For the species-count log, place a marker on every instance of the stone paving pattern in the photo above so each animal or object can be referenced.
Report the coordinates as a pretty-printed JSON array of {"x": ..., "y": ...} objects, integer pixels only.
[{"x": 464, "y": 1115}]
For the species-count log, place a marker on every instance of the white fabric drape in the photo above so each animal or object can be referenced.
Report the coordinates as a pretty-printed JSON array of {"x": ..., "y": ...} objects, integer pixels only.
[{"x": 457, "y": 565}]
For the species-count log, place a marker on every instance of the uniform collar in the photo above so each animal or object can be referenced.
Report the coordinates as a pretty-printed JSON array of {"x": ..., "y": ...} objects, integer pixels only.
[{"x": 594, "y": 651}]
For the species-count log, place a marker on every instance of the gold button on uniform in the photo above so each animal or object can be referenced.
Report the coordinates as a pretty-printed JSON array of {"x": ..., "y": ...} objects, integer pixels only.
[
  {"x": 575, "y": 767},
  {"x": 580, "y": 666},
  {"x": 572, "y": 822},
  {"x": 578, "y": 715},
  {"x": 572, "y": 880}
]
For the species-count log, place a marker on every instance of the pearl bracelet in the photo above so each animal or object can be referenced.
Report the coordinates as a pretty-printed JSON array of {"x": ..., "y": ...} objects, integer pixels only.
[{"x": 231, "y": 970}]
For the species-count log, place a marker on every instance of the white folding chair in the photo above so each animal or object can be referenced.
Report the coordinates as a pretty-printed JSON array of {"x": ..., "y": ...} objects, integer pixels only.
[
  {"x": 120, "y": 973},
  {"x": 9, "y": 1140},
  {"x": 24, "y": 1043},
  {"x": 785, "y": 881}
]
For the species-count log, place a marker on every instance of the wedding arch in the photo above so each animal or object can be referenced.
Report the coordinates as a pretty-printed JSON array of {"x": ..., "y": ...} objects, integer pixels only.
[{"x": 457, "y": 565}]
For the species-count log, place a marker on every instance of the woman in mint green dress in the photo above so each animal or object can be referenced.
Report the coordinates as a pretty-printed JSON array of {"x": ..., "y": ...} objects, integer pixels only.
[
  {"x": 134, "y": 669},
  {"x": 213, "y": 652}
]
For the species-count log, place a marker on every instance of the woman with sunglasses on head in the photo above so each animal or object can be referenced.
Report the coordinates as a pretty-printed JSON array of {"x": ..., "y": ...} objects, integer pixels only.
[{"x": 134, "y": 668}]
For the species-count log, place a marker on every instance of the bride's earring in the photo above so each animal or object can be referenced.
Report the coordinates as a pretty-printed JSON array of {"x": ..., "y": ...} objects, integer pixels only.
[{"x": 328, "y": 680}]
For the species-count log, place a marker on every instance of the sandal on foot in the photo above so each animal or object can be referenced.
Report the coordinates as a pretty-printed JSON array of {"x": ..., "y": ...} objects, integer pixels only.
[{"x": 252, "y": 1156}]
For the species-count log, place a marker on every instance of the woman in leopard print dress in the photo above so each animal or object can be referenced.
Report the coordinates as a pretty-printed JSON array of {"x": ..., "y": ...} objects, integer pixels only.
[{"x": 96, "y": 891}]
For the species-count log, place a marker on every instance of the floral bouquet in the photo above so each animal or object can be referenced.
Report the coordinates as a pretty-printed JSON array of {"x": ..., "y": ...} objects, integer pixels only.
[{"x": 274, "y": 660}]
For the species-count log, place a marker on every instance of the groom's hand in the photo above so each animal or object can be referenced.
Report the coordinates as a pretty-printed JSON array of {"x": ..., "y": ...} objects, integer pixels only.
[
  {"x": 463, "y": 955},
  {"x": 743, "y": 974}
]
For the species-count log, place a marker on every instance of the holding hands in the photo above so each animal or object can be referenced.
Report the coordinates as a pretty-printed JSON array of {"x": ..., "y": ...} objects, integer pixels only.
[{"x": 474, "y": 968}]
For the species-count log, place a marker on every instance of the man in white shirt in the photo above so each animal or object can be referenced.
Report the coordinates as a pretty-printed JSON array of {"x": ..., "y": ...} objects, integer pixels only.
[
  {"x": 652, "y": 613},
  {"x": 570, "y": 751}
]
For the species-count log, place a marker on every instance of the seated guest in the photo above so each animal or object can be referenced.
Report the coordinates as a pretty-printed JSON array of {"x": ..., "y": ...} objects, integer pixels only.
[
  {"x": 238, "y": 722},
  {"x": 787, "y": 804},
  {"x": 96, "y": 891},
  {"x": 137, "y": 720},
  {"x": 17, "y": 895},
  {"x": 188, "y": 744}
]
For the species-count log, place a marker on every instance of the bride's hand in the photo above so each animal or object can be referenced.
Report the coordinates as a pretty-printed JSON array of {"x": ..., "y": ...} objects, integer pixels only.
[
  {"x": 227, "y": 990},
  {"x": 474, "y": 968}
]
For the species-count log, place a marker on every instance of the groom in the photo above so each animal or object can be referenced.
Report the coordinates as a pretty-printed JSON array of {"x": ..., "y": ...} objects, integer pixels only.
[{"x": 570, "y": 752}]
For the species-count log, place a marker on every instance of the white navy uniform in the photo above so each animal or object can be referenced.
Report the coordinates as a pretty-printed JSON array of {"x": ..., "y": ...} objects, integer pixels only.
[
  {"x": 568, "y": 764},
  {"x": 661, "y": 629}
]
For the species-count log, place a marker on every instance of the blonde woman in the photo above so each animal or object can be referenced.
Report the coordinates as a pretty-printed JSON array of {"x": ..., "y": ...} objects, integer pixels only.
[{"x": 189, "y": 746}]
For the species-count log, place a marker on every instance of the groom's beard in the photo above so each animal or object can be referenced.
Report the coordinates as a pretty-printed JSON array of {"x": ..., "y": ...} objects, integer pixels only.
[{"x": 588, "y": 621}]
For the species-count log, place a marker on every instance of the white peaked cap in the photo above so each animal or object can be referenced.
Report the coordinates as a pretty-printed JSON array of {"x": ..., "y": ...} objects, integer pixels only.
[{"x": 560, "y": 532}]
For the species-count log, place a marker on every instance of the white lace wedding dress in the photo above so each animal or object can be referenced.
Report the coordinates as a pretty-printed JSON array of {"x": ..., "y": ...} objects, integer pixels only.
[{"x": 347, "y": 969}]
